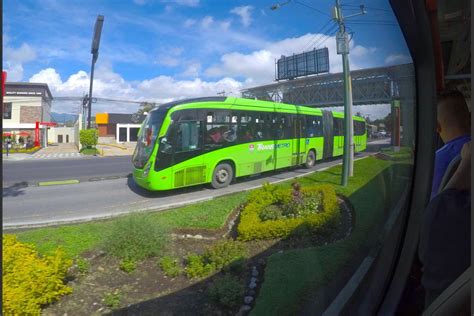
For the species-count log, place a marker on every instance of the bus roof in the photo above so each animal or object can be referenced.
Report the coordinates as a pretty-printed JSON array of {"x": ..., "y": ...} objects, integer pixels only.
[{"x": 232, "y": 101}]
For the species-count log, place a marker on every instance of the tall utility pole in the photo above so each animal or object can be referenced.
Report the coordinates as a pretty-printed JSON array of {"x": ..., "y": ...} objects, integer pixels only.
[
  {"x": 342, "y": 41},
  {"x": 95, "y": 55}
]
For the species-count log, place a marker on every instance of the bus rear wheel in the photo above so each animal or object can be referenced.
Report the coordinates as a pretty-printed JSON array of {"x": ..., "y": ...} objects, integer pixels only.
[
  {"x": 222, "y": 175},
  {"x": 310, "y": 160}
]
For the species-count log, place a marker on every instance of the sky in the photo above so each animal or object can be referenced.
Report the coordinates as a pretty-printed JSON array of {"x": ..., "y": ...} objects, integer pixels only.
[{"x": 163, "y": 50}]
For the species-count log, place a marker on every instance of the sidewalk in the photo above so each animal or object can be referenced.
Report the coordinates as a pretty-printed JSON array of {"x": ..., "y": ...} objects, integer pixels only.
[
  {"x": 15, "y": 157},
  {"x": 107, "y": 150}
]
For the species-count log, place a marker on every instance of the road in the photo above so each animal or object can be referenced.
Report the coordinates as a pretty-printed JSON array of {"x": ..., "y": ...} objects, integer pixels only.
[
  {"x": 31, "y": 172},
  {"x": 28, "y": 206}
]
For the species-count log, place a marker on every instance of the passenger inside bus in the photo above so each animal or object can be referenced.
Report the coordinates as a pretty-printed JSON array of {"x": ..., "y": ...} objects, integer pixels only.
[
  {"x": 445, "y": 243},
  {"x": 454, "y": 130}
]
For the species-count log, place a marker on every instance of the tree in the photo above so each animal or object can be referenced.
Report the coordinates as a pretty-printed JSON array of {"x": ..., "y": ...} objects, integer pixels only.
[{"x": 145, "y": 107}]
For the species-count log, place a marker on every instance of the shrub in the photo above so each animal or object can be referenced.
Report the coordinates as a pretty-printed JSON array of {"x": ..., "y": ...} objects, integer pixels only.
[
  {"x": 83, "y": 265},
  {"x": 302, "y": 218},
  {"x": 135, "y": 237},
  {"x": 128, "y": 265},
  {"x": 227, "y": 291},
  {"x": 196, "y": 267},
  {"x": 224, "y": 253},
  {"x": 30, "y": 281},
  {"x": 88, "y": 137},
  {"x": 271, "y": 213},
  {"x": 22, "y": 150},
  {"x": 169, "y": 266},
  {"x": 112, "y": 300}
]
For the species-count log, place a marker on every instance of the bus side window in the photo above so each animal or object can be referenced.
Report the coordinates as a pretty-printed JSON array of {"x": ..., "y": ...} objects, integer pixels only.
[
  {"x": 338, "y": 124},
  {"x": 318, "y": 125},
  {"x": 187, "y": 136},
  {"x": 283, "y": 126},
  {"x": 246, "y": 131}
]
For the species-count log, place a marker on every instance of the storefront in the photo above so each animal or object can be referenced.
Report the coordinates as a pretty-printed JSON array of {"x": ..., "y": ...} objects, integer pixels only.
[{"x": 117, "y": 127}]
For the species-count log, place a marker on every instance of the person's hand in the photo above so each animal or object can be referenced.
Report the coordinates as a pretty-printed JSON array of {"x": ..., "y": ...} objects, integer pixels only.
[{"x": 466, "y": 151}]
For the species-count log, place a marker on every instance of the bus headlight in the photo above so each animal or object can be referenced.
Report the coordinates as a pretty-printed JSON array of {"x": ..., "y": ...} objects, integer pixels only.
[{"x": 147, "y": 169}]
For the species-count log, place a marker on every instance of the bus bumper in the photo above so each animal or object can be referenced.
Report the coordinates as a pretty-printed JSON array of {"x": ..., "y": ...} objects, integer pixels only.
[{"x": 141, "y": 180}]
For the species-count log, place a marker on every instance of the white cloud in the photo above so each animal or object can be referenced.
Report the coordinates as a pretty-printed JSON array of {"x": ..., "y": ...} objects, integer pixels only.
[
  {"x": 244, "y": 12},
  {"x": 258, "y": 67},
  {"x": 397, "y": 59},
  {"x": 15, "y": 58},
  {"x": 207, "y": 21},
  {"x": 170, "y": 57},
  {"x": 192, "y": 70},
  {"x": 225, "y": 25},
  {"x": 109, "y": 84},
  {"x": 189, "y": 22}
]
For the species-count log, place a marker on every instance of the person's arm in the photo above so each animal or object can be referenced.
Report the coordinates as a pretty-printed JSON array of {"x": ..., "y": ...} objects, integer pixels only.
[{"x": 461, "y": 179}]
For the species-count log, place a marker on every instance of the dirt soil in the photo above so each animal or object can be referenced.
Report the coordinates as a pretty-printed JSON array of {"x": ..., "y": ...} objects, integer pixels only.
[{"x": 147, "y": 291}]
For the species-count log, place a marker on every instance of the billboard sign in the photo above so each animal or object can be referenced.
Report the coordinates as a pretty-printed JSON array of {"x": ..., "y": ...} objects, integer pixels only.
[{"x": 304, "y": 64}]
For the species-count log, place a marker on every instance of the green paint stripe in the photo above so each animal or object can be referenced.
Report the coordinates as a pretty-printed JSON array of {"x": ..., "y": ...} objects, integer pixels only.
[{"x": 58, "y": 182}]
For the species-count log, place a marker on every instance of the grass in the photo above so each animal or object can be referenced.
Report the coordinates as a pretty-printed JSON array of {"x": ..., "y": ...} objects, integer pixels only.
[
  {"x": 78, "y": 238},
  {"x": 89, "y": 151},
  {"x": 289, "y": 276}
]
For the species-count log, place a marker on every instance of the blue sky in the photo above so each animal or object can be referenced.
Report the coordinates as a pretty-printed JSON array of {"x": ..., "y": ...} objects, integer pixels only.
[{"x": 163, "y": 50}]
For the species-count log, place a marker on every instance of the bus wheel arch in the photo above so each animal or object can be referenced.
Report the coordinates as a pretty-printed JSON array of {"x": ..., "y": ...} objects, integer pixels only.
[
  {"x": 310, "y": 159},
  {"x": 223, "y": 174}
]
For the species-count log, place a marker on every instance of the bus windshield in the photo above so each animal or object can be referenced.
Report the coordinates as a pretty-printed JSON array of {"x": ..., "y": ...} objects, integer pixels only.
[{"x": 147, "y": 138}]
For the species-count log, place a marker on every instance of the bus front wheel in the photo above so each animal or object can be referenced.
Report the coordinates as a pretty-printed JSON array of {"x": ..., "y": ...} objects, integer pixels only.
[
  {"x": 310, "y": 160},
  {"x": 222, "y": 175}
]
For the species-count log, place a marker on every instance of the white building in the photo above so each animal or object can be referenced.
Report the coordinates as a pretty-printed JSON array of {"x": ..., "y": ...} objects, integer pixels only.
[
  {"x": 24, "y": 104},
  {"x": 61, "y": 135}
]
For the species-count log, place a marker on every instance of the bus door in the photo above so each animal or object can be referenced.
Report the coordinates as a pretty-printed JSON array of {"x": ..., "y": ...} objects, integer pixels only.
[
  {"x": 328, "y": 134},
  {"x": 185, "y": 138},
  {"x": 283, "y": 147},
  {"x": 299, "y": 142}
]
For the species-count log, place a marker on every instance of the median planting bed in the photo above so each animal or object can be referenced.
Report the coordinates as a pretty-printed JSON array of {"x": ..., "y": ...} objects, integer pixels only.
[{"x": 259, "y": 251}]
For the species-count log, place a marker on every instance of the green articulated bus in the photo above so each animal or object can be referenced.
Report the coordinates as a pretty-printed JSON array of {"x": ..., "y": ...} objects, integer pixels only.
[{"x": 216, "y": 139}]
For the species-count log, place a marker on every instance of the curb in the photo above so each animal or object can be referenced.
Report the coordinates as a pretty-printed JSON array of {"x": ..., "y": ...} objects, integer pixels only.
[{"x": 154, "y": 208}]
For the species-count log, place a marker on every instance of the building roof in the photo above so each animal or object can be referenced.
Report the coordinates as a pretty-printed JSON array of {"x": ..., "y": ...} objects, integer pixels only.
[{"x": 28, "y": 89}]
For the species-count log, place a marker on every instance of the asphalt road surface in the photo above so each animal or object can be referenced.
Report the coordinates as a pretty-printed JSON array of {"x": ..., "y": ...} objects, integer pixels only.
[
  {"x": 29, "y": 206},
  {"x": 30, "y": 172}
]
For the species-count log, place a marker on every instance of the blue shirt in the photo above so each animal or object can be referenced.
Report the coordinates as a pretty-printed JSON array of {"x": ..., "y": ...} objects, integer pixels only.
[{"x": 444, "y": 156}]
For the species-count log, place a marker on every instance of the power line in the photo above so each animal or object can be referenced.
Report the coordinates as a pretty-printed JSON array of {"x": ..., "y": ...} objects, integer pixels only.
[
  {"x": 321, "y": 41},
  {"x": 322, "y": 32},
  {"x": 313, "y": 8}
]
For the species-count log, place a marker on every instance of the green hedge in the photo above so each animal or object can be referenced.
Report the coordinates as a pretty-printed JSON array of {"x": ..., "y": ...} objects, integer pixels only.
[
  {"x": 252, "y": 227},
  {"x": 22, "y": 150},
  {"x": 88, "y": 137}
]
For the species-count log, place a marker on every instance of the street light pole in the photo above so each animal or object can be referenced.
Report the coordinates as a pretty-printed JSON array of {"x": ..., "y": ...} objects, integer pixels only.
[
  {"x": 342, "y": 41},
  {"x": 95, "y": 55}
]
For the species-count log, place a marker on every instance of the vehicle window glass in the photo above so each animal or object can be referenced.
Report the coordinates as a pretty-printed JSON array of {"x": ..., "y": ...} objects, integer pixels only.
[
  {"x": 187, "y": 136},
  {"x": 282, "y": 126},
  {"x": 313, "y": 126}
]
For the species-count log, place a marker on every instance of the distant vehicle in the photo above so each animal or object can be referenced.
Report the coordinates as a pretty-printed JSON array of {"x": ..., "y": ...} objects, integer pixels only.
[
  {"x": 382, "y": 134},
  {"x": 215, "y": 139}
]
